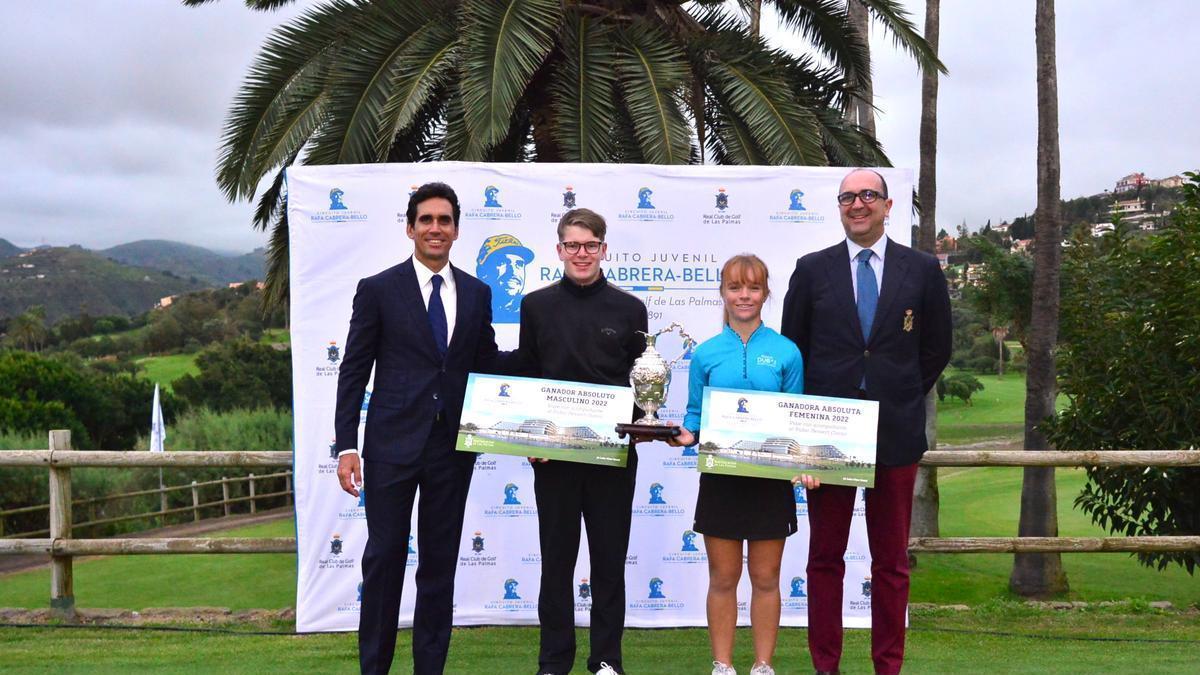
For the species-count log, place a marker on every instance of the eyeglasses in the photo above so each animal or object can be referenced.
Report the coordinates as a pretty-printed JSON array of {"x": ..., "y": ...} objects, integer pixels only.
[
  {"x": 572, "y": 247},
  {"x": 867, "y": 197}
]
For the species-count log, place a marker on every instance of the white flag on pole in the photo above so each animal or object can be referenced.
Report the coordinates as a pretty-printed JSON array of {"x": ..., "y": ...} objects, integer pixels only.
[{"x": 158, "y": 428}]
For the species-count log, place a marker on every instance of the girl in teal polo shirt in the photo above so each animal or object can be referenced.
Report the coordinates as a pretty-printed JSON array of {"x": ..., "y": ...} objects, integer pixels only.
[{"x": 732, "y": 509}]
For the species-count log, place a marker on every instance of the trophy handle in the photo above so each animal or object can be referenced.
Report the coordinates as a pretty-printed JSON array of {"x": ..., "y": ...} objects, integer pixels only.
[{"x": 688, "y": 342}]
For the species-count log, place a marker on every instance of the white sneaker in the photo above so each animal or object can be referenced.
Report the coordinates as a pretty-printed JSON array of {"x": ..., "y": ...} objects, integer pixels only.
[
  {"x": 606, "y": 669},
  {"x": 762, "y": 668},
  {"x": 722, "y": 669}
]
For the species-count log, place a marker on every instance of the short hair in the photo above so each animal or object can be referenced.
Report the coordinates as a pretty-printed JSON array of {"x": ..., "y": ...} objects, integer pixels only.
[
  {"x": 746, "y": 268},
  {"x": 432, "y": 191},
  {"x": 882, "y": 180},
  {"x": 585, "y": 218}
]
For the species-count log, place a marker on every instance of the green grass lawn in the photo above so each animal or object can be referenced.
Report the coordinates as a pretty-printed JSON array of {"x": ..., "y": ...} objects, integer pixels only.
[
  {"x": 996, "y": 412},
  {"x": 985, "y": 501},
  {"x": 999, "y": 639},
  {"x": 166, "y": 369}
]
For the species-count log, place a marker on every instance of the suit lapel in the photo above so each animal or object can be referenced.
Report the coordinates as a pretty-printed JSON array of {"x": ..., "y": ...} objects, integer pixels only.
[
  {"x": 838, "y": 268},
  {"x": 895, "y": 266},
  {"x": 410, "y": 297},
  {"x": 465, "y": 298}
]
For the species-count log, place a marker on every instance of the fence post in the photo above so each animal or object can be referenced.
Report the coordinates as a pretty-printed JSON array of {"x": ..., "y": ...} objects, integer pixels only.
[
  {"x": 287, "y": 487},
  {"x": 252, "y": 506},
  {"x": 62, "y": 585},
  {"x": 225, "y": 494},
  {"x": 195, "y": 503}
]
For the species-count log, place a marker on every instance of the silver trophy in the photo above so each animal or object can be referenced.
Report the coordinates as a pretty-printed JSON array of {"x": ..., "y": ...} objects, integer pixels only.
[{"x": 650, "y": 378}]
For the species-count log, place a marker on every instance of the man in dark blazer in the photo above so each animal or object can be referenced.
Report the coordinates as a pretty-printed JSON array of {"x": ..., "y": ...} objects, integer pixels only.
[
  {"x": 423, "y": 325},
  {"x": 872, "y": 320}
]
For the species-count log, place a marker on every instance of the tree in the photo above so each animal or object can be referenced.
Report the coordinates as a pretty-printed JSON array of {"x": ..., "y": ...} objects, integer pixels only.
[
  {"x": 1129, "y": 363},
  {"x": 959, "y": 385},
  {"x": 655, "y": 81},
  {"x": 239, "y": 374},
  {"x": 925, "y": 489},
  {"x": 1042, "y": 574},
  {"x": 1004, "y": 292},
  {"x": 28, "y": 329}
]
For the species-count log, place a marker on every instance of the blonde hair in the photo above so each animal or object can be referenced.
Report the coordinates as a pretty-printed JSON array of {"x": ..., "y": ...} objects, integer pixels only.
[{"x": 745, "y": 268}]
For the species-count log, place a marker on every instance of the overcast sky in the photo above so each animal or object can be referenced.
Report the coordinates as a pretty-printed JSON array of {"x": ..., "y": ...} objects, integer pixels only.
[{"x": 112, "y": 111}]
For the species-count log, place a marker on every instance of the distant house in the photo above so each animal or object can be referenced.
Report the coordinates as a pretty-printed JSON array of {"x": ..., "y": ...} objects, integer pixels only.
[
  {"x": 1169, "y": 182},
  {"x": 165, "y": 302},
  {"x": 1021, "y": 245},
  {"x": 1130, "y": 183},
  {"x": 1101, "y": 228}
]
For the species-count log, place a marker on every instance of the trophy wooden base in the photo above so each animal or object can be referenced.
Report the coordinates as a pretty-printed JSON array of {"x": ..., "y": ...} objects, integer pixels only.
[{"x": 653, "y": 432}]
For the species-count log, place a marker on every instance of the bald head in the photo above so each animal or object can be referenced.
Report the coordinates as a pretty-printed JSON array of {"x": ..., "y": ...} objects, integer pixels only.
[{"x": 864, "y": 206}]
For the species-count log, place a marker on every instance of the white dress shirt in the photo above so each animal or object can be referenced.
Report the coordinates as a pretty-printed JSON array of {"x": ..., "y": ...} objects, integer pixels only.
[{"x": 876, "y": 262}]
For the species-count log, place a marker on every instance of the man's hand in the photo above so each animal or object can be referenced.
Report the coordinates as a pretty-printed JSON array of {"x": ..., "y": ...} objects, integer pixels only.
[
  {"x": 349, "y": 473},
  {"x": 809, "y": 482}
]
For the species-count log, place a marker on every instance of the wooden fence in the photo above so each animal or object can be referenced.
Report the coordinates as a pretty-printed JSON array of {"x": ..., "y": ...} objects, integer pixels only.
[
  {"x": 197, "y": 488},
  {"x": 62, "y": 547}
]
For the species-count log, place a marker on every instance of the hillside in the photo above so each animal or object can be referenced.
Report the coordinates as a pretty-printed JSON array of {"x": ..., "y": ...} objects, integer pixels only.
[
  {"x": 7, "y": 249},
  {"x": 187, "y": 261},
  {"x": 69, "y": 281}
]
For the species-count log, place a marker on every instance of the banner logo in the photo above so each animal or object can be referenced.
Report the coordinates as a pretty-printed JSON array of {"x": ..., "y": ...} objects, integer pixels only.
[
  {"x": 510, "y": 589},
  {"x": 656, "y": 599},
  {"x": 335, "y": 546},
  {"x": 645, "y": 210},
  {"x": 688, "y": 553},
  {"x": 510, "y": 494},
  {"x": 477, "y": 557},
  {"x": 741, "y": 406},
  {"x": 338, "y": 211},
  {"x": 585, "y": 589},
  {"x": 335, "y": 200},
  {"x": 477, "y": 543},
  {"x": 501, "y": 265},
  {"x": 866, "y": 588},
  {"x": 492, "y": 208},
  {"x": 797, "y": 588},
  {"x": 569, "y": 198},
  {"x": 689, "y": 541},
  {"x": 644, "y": 198},
  {"x": 794, "y": 201},
  {"x": 722, "y": 200},
  {"x": 332, "y": 353},
  {"x": 489, "y": 197},
  {"x": 796, "y": 211},
  {"x": 337, "y": 557}
]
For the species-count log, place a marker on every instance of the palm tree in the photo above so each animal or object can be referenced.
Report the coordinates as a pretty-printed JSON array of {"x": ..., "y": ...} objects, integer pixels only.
[
  {"x": 926, "y": 504},
  {"x": 1041, "y": 574},
  {"x": 657, "y": 81},
  {"x": 28, "y": 329}
]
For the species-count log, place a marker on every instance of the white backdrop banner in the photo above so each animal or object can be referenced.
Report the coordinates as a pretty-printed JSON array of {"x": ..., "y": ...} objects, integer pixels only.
[{"x": 670, "y": 229}]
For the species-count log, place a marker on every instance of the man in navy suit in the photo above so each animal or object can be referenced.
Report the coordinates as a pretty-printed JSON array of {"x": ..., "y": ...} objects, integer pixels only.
[
  {"x": 872, "y": 320},
  {"x": 423, "y": 325}
]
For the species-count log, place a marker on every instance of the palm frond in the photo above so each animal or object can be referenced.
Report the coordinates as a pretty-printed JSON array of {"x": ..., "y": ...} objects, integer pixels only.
[
  {"x": 263, "y": 5},
  {"x": 421, "y": 141},
  {"x": 504, "y": 42},
  {"x": 278, "y": 287},
  {"x": 730, "y": 140},
  {"x": 581, "y": 91},
  {"x": 653, "y": 72},
  {"x": 746, "y": 78},
  {"x": 282, "y": 99},
  {"x": 895, "y": 19},
  {"x": 825, "y": 25},
  {"x": 457, "y": 142},
  {"x": 273, "y": 198},
  {"x": 401, "y": 51}
]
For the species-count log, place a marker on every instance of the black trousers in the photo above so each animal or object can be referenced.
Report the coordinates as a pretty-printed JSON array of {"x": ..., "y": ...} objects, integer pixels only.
[
  {"x": 443, "y": 476},
  {"x": 603, "y": 496}
]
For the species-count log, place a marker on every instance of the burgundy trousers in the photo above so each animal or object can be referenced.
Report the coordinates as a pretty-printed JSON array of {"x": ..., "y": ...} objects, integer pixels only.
[{"x": 889, "y": 511}]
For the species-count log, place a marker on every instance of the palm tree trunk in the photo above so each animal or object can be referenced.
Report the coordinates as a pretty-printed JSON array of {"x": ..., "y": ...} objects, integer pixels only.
[
  {"x": 1041, "y": 574},
  {"x": 925, "y": 490},
  {"x": 861, "y": 111}
]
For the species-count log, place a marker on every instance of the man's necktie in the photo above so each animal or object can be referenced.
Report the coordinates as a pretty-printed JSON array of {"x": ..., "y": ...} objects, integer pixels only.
[
  {"x": 437, "y": 315},
  {"x": 868, "y": 292}
]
